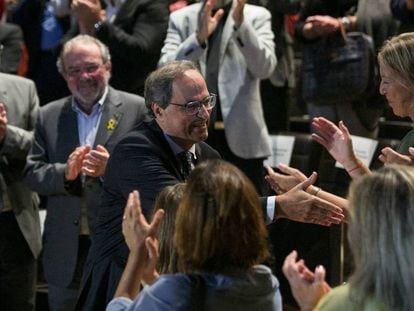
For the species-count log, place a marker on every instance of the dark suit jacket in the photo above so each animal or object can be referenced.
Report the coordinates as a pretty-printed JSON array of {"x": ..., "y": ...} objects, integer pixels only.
[
  {"x": 143, "y": 160},
  {"x": 22, "y": 106},
  {"x": 56, "y": 136},
  {"x": 134, "y": 39},
  {"x": 11, "y": 37}
]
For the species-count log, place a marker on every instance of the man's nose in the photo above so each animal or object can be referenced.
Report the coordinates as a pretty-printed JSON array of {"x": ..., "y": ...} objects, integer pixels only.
[{"x": 204, "y": 112}]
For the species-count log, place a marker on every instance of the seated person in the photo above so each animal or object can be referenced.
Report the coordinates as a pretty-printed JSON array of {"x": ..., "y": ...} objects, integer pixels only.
[
  {"x": 381, "y": 239},
  {"x": 168, "y": 200},
  {"x": 220, "y": 237}
]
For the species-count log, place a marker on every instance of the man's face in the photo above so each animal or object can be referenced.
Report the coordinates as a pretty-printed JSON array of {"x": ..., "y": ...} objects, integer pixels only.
[
  {"x": 85, "y": 73},
  {"x": 183, "y": 128}
]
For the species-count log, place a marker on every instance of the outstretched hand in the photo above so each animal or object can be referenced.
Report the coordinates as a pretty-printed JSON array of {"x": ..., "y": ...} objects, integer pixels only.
[
  {"x": 281, "y": 183},
  {"x": 389, "y": 156},
  {"x": 298, "y": 205}
]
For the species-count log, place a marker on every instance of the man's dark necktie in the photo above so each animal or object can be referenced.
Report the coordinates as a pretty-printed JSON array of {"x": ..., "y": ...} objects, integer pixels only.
[{"x": 186, "y": 160}]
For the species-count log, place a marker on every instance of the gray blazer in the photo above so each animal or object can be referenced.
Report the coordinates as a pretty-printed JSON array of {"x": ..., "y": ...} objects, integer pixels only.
[
  {"x": 56, "y": 136},
  {"x": 22, "y": 106},
  {"x": 246, "y": 56}
]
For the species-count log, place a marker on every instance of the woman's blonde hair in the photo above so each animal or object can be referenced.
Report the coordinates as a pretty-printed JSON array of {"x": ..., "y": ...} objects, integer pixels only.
[
  {"x": 381, "y": 237},
  {"x": 397, "y": 54},
  {"x": 168, "y": 200}
]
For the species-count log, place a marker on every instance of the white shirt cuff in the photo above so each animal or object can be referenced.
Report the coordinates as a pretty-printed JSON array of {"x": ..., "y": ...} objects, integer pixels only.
[{"x": 270, "y": 208}]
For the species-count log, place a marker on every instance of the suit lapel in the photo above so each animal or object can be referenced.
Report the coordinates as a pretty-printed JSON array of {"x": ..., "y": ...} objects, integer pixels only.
[
  {"x": 226, "y": 35},
  {"x": 3, "y": 91},
  {"x": 111, "y": 116},
  {"x": 168, "y": 155},
  {"x": 68, "y": 134}
]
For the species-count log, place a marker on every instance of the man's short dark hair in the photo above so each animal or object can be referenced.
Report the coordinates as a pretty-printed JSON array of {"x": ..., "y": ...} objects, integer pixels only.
[{"x": 158, "y": 85}]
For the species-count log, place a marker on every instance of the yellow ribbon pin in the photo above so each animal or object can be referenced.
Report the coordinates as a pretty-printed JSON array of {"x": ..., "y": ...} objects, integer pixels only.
[{"x": 111, "y": 124}]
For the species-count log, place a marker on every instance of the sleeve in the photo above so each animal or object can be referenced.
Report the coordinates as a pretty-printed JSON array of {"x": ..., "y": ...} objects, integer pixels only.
[
  {"x": 176, "y": 45},
  {"x": 12, "y": 48},
  {"x": 18, "y": 141},
  {"x": 305, "y": 12},
  {"x": 119, "y": 304},
  {"x": 144, "y": 36},
  {"x": 41, "y": 176},
  {"x": 255, "y": 40},
  {"x": 136, "y": 164},
  {"x": 268, "y": 205}
]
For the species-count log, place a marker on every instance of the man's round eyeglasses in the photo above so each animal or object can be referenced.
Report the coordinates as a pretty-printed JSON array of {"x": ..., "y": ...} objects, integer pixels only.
[
  {"x": 76, "y": 72},
  {"x": 192, "y": 108}
]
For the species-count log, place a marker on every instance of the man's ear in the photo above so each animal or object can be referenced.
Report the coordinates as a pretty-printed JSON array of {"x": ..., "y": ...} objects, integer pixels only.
[{"x": 156, "y": 109}]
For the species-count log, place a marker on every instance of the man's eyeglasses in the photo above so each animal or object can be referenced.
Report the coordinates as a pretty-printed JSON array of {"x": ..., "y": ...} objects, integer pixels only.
[
  {"x": 192, "y": 108},
  {"x": 76, "y": 72}
]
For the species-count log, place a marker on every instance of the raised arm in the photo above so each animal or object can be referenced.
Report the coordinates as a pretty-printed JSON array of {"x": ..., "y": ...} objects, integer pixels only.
[
  {"x": 140, "y": 237},
  {"x": 298, "y": 205},
  {"x": 338, "y": 142},
  {"x": 389, "y": 156},
  {"x": 291, "y": 177}
]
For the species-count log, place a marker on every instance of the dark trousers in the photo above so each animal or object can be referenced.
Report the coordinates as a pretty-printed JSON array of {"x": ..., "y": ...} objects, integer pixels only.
[
  {"x": 65, "y": 298},
  {"x": 18, "y": 267},
  {"x": 252, "y": 168},
  {"x": 275, "y": 103}
]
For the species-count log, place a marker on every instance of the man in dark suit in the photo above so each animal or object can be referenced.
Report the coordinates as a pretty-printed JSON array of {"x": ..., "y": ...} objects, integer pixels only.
[
  {"x": 73, "y": 139},
  {"x": 148, "y": 159},
  {"x": 19, "y": 218},
  {"x": 133, "y": 30}
]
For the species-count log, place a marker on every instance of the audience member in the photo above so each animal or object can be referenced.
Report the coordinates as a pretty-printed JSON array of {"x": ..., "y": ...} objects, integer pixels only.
[
  {"x": 381, "y": 238},
  {"x": 168, "y": 200},
  {"x": 43, "y": 23},
  {"x": 19, "y": 218},
  {"x": 133, "y": 30},
  {"x": 220, "y": 263},
  {"x": 234, "y": 48},
  {"x": 403, "y": 10},
  {"x": 323, "y": 18},
  {"x": 11, "y": 45},
  {"x": 73, "y": 140},
  {"x": 276, "y": 91},
  {"x": 396, "y": 58},
  {"x": 150, "y": 158},
  {"x": 147, "y": 159}
]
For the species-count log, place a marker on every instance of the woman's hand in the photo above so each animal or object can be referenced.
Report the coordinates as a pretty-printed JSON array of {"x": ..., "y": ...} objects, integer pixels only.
[
  {"x": 336, "y": 139},
  {"x": 135, "y": 227},
  {"x": 389, "y": 156},
  {"x": 281, "y": 183},
  {"x": 307, "y": 287}
]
